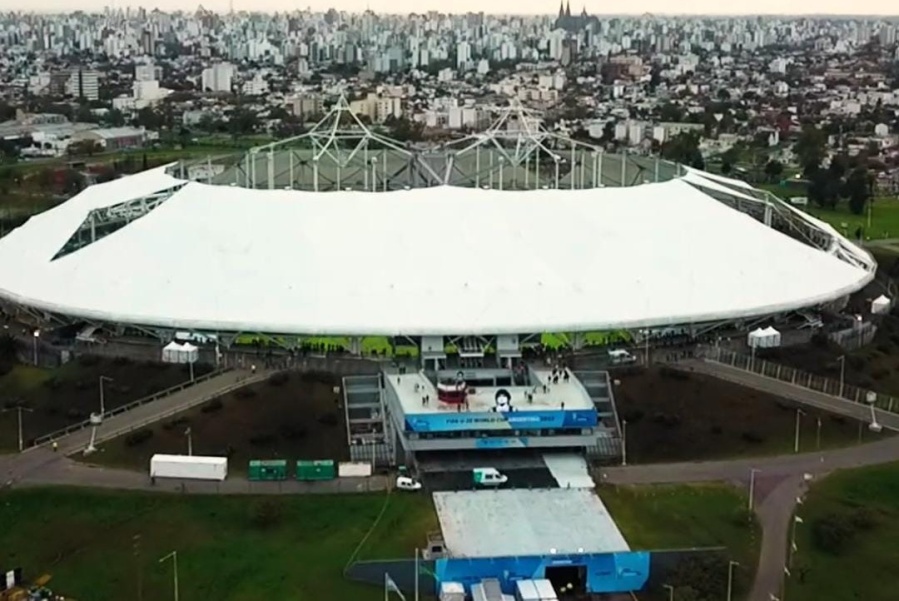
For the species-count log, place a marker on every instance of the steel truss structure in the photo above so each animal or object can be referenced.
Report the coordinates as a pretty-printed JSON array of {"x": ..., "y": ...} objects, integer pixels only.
[
  {"x": 342, "y": 153},
  {"x": 101, "y": 222}
]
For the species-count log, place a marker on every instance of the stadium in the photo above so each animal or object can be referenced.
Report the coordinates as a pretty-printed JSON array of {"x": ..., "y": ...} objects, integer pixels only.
[{"x": 344, "y": 233}]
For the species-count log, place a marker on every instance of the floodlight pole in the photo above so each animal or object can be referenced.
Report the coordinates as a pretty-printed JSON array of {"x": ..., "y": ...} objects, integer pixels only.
[
  {"x": 37, "y": 334},
  {"x": 799, "y": 413},
  {"x": 624, "y": 442}
]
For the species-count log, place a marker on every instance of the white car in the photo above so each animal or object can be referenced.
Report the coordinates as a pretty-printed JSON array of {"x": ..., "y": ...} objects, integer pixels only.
[{"x": 407, "y": 483}]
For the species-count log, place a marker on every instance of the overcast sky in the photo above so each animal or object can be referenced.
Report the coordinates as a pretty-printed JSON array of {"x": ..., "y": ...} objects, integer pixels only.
[{"x": 780, "y": 7}]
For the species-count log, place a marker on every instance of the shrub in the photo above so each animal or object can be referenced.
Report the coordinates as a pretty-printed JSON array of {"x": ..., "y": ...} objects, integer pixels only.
[
  {"x": 291, "y": 432},
  {"x": 632, "y": 416},
  {"x": 52, "y": 383},
  {"x": 673, "y": 374},
  {"x": 138, "y": 437},
  {"x": 856, "y": 362},
  {"x": 122, "y": 360},
  {"x": 880, "y": 373},
  {"x": 245, "y": 393},
  {"x": 752, "y": 437},
  {"x": 820, "y": 340},
  {"x": 278, "y": 379},
  {"x": 259, "y": 440},
  {"x": 212, "y": 406},
  {"x": 833, "y": 533},
  {"x": 320, "y": 376},
  {"x": 88, "y": 360}
]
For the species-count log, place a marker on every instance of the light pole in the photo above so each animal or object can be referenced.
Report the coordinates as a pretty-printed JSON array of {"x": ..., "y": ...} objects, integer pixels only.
[
  {"x": 670, "y": 590},
  {"x": 799, "y": 413},
  {"x": 842, "y": 374},
  {"x": 102, "y": 395},
  {"x": 34, "y": 339},
  {"x": 818, "y": 435},
  {"x": 624, "y": 442},
  {"x": 730, "y": 579},
  {"x": 752, "y": 473},
  {"x": 19, "y": 409},
  {"x": 174, "y": 557},
  {"x": 190, "y": 442}
]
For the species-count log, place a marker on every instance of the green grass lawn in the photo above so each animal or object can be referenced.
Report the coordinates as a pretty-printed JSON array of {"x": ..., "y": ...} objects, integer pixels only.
[
  {"x": 85, "y": 540},
  {"x": 687, "y": 516},
  {"x": 864, "y": 505}
]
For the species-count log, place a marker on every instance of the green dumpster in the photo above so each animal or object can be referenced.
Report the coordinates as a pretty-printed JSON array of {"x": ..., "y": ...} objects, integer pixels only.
[
  {"x": 267, "y": 470},
  {"x": 322, "y": 469}
]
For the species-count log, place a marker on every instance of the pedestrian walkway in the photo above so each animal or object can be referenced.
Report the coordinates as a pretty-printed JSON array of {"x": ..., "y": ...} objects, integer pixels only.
[{"x": 799, "y": 394}]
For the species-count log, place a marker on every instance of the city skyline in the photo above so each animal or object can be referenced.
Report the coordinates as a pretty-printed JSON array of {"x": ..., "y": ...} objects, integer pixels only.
[{"x": 822, "y": 8}]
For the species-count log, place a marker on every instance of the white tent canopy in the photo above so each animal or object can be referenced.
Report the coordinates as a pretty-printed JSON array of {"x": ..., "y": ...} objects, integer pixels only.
[
  {"x": 180, "y": 353},
  {"x": 880, "y": 305},
  {"x": 764, "y": 338},
  {"x": 392, "y": 274}
]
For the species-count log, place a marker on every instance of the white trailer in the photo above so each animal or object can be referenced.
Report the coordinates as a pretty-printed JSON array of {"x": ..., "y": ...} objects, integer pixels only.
[{"x": 189, "y": 467}]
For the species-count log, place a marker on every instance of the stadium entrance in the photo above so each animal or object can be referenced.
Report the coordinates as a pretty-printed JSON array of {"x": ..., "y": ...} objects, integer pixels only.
[{"x": 568, "y": 581}]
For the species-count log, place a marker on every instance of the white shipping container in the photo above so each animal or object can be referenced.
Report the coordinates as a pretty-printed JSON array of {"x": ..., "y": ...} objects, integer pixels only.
[
  {"x": 526, "y": 590},
  {"x": 545, "y": 590},
  {"x": 359, "y": 469},
  {"x": 189, "y": 467},
  {"x": 452, "y": 591}
]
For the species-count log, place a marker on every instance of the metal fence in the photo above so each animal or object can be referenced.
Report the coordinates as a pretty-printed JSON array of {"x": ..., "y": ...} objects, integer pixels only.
[
  {"x": 803, "y": 379},
  {"x": 125, "y": 408},
  {"x": 852, "y": 339}
]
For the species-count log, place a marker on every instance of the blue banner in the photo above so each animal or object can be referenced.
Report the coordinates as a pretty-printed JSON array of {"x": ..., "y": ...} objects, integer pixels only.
[
  {"x": 463, "y": 421},
  {"x": 605, "y": 572}
]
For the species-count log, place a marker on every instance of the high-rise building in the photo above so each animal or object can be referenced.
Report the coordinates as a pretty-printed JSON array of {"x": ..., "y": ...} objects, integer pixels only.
[
  {"x": 217, "y": 78},
  {"x": 83, "y": 84}
]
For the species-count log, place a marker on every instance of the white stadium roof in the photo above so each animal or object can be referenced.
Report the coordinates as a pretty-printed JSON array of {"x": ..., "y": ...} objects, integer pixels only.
[{"x": 440, "y": 260}]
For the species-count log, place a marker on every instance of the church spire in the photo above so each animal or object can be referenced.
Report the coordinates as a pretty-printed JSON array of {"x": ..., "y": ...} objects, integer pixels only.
[
  {"x": 568, "y": 9},
  {"x": 561, "y": 8}
]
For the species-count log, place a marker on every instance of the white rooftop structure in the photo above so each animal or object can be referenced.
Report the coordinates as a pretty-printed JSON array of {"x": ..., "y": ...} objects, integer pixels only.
[
  {"x": 158, "y": 251},
  {"x": 509, "y": 522},
  {"x": 411, "y": 387}
]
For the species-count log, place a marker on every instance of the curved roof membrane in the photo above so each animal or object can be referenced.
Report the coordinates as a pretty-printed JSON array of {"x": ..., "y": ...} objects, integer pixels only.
[{"x": 439, "y": 261}]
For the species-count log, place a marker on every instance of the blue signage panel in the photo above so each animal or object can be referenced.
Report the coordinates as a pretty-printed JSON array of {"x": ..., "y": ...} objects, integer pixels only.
[
  {"x": 501, "y": 420},
  {"x": 606, "y": 572}
]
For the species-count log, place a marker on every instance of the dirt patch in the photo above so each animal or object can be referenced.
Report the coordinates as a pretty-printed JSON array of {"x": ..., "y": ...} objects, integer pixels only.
[
  {"x": 677, "y": 416},
  {"x": 292, "y": 416},
  {"x": 67, "y": 395}
]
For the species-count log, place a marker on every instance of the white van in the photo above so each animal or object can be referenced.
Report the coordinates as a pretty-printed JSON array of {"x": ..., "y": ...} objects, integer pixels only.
[
  {"x": 621, "y": 357},
  {"x": 488, "y": 476}
]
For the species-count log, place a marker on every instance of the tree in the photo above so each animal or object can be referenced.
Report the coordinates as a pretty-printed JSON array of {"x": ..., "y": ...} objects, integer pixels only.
[
  {"x": 726, "y": 167},
  {"x": 810, "y": 148},
  {"x": 684, "y": 148},
  {"x": 858, "y": 190},
  {"x": 114, "y": 118},
  {"x": 773, "y": 170}
]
